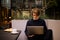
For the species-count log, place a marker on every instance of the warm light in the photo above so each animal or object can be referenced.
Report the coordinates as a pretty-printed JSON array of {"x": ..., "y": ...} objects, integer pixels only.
[{"x": 9, "y": 17}]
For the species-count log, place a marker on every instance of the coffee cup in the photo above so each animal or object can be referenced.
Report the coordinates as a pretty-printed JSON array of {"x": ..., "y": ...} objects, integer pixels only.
[{"x": 14, "y": 30}]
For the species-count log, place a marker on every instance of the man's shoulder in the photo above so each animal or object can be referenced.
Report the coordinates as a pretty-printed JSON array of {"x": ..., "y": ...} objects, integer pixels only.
[
  {"x": 30, "y": 20},
  {"x": 41, "y": 19}
]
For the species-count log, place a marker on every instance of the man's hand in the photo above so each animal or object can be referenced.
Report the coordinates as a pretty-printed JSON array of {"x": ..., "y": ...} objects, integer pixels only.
[{"x": 30, "y": 35}]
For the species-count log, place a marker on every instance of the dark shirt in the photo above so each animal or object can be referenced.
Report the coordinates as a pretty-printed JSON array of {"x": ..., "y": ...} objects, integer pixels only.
[{"x": 39, "y": 22}]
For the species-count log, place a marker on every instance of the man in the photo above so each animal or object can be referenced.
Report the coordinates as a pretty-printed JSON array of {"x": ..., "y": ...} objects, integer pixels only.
[{"x": 36, "y": 21}]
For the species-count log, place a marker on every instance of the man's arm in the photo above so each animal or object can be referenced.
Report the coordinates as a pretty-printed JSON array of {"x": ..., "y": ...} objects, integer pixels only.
[
  {"x": 26, "y": 31},
  {"x": 45, "y": 27}
]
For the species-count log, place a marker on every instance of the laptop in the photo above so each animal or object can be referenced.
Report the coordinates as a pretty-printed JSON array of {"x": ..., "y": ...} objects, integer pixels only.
[{"x": 35, "y": 30}]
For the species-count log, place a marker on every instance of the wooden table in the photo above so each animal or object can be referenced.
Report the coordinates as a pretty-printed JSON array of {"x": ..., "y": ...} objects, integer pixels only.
[{"x": 5, "y": 35}]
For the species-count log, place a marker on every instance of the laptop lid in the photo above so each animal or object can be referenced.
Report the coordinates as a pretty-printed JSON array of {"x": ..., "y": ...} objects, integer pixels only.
[{"x": 35, "y": 30}]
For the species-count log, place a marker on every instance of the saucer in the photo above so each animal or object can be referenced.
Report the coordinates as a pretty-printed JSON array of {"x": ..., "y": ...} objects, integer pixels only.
[{"x": 14, "y": 32}]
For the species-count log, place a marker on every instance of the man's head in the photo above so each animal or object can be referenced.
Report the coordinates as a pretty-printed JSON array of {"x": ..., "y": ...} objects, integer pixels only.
[{"x": 35, "y": 13}]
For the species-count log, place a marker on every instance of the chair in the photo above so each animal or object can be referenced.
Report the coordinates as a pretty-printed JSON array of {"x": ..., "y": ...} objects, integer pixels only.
[{"x": 48, "y": 35}]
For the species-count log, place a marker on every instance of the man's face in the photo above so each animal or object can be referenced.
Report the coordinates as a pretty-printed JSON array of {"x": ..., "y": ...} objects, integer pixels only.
[{"x": 34, "y": 15}]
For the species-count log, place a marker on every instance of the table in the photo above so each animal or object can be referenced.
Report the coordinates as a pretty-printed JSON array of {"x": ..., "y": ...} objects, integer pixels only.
[{"x": 8, "y": 35}]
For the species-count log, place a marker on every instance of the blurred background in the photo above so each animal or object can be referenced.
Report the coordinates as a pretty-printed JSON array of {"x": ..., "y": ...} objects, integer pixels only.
[{"x": 20, "y": 9}]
